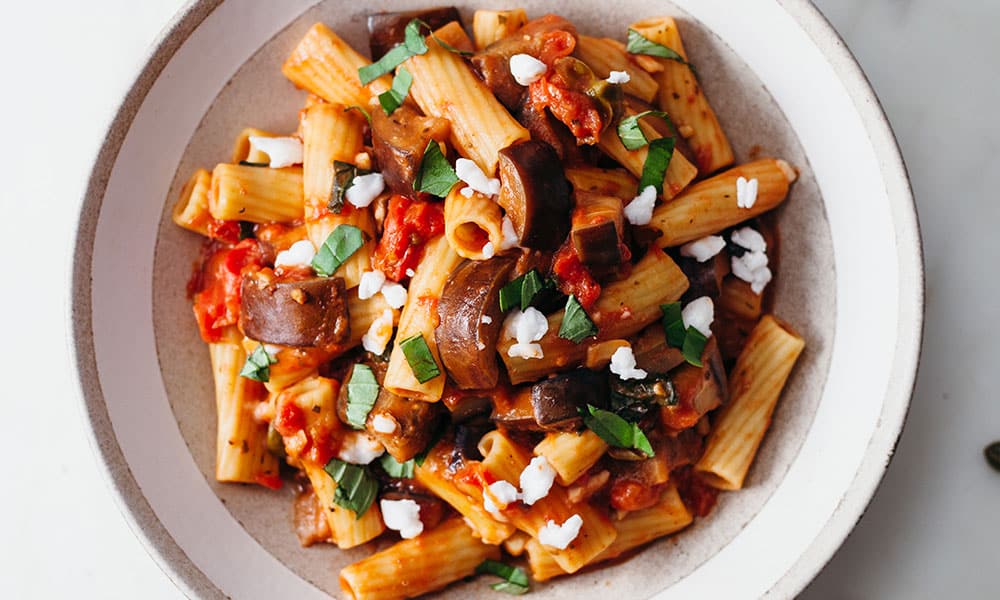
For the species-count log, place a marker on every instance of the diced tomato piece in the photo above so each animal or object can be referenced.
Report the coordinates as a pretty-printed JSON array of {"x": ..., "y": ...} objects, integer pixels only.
[
  {"x": 627, "y": 494},
  {"x": 574, "y": 278},
  {"x": 217, "y": 286},
  {"x": 224, "y": 231},
  {"x": 269, "y": 480},
  {"x": 409, "y": 224},
  {"x": 574, "y": 109}
]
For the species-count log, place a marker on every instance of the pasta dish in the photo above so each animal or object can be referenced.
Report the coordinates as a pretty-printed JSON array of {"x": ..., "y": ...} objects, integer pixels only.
[{"x": 499, "y": 305}]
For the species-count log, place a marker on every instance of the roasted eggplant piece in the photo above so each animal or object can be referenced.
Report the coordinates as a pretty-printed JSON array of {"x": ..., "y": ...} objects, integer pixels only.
[
  {"x": 698, "y": 389},
  {"x": 596, "y": 230},
  {"x": 467, "y": 406},
  {"x": 309, "y": 312},
  {"x": 652, "y": 352},
  {"x": 535, "y": 194},
  {"x": 386, "y": 29},
  {"x": 556, "y": 402},
  {"x": 545, "y": 38},
  {"x": 514, "y": 410},
  {"x": 470, "y": 321},
  {"x": 705, "y": 278},
  {"x": 416, "y": 423},
  {"x": 634, "y": 399},
  {"x": 398, "y": 142},
  {"x": 544, "y": 127}
]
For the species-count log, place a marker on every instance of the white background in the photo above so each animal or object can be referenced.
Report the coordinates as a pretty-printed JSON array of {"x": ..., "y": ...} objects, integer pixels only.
[{"x": 933, "y": 530}]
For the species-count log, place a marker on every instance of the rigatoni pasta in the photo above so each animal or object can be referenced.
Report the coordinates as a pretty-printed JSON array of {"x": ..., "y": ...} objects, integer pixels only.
[{"x": 496, "y": 310}]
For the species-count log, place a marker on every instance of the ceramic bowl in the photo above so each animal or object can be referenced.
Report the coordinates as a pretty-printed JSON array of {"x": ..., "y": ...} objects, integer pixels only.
[{"x": 849, "y": 279}]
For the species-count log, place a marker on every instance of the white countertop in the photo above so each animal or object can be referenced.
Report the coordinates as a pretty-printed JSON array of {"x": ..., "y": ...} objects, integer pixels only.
[{"x": 931, "y": 532}]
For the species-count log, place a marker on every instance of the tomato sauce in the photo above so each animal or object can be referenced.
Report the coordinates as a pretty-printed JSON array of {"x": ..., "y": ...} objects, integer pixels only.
[
  {"x": 216, "y": 287},
  {"x": 699, "y": 497},
  {"x": 574, "y": 278},
  {"x": 408, "y": 225}
]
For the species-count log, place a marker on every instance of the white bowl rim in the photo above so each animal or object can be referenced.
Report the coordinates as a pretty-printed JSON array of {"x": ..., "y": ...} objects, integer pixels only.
[{"x": 191, "y": 581}]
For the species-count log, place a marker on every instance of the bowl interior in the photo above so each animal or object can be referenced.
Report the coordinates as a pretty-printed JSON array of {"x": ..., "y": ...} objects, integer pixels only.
[{"x": 258, "y": 95}]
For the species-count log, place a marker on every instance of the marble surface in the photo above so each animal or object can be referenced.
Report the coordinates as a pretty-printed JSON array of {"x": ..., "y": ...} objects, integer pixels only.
[{"x": 931, "y": 530}]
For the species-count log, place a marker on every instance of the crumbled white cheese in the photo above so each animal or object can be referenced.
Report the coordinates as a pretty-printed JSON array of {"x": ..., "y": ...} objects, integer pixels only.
[
  {"x": 560, "y": 536},
  {"x": 618, "y": 77},
  {"x": 509, "y": 235},
  {"x": 640, "y": 210},
  {"x": 410, "y": 272},
  {"x": 526, "y": 69},
  {"x": 299, "y": 254},
  {"x": 623, "y": 364},
  {"x": 402, "y": 516},
  {"x": 752, "y": 266},
  {"x": 480, "y": 345},
  {"x": 379, "y": 333},
  {"x": 469, "y": 172},
  {"x": 370, "y": 284},
  {"x": 749, "y": 238},
  {"x": 746, "y": 192},
  {"x": 488, "y": 250},
  {"x": 485, "y": 319},
  {"x": 520, "y": 350},
  {"x": 280, "y": 151},
  {"x": 536, "y": 480},
  {"x": 498, "y": 496},
  {"x": 364, "y": 189},
  {"x": 704, "y": 248},
  {"x": 383, "y": 424},
  {"x": 395, "y": 294},
  {"x": 359, "y": 448},
  {"x": 699, "y": 313}
]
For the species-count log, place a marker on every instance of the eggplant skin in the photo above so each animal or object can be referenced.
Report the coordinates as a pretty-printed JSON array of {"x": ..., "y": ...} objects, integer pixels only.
[
  {"x": 466, "y": 344},
  {"x": 535, "y": 194},
  {"x": 386, "y": 29},
  {"x": 556, "y": 402},
  {"x": 398, "y": 142},
  {"x": 304, "y": 313}
]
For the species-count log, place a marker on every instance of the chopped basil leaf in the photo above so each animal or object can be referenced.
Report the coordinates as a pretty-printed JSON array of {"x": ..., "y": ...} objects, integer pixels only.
[
  {"x": 510, "y": 294},
  {"x": 435, "y": 176},
  {"x": 639, "y": 44},
  {"x": 393, "y": 468},
  {"x": 413, "y": 44},
  {"x": 530, "y": 288},
  {"x": 393, "y": 98},
  {"x": 673, "y": 324},
  {"x": 515, "y": 579},
  {"x": 576, "y": 324},
  {"x": 246, "y": 230},
  {"x": 616, "y": 431},
  {"x": 688, "y": 339},
  {"x": 343, "y": 178},
  {"x": 356, "y": 487},
  {"x": 361, "y": 110},
  {"x": 435, "y": 438},
  {"x": 258, "y": 365},
  {"x": 661, "y": 150},
  {"x": 694, "y": 345},
  {"x": 247, "y": 163},
  {"x": 631, "y": 134},
  {"x": 418, "y": 356},
  {"x": 362, "y": 391},
  {"x": 343, "y": 242}
]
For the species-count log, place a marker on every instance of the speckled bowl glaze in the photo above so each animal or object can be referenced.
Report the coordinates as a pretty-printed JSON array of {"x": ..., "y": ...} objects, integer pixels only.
[{"x": 850, "y": 280}]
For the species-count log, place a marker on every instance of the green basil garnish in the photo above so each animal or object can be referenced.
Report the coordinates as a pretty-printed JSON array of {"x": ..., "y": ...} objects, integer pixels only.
[
  {"x": 515, "y": 580},
  {"x": 660, "y": 152},
  {"x": 393, "y": 468},
  {"x": 258, "y": 365},
  {"x": 413, "y": 44},
  {"x": 356, "y": 487},
  {"x": 616, "y": 431},
  {"x": 436, "y": 175},
  {"x": 690, "y": 341},
  {"x": 639, "y": 44},
  {"x": 343, "y": 242},
  {"x": 393, "y": 98},
  {"x": 362, "y": 391},
  {"x": 576, "y": 324},
  {"x": 418, "y": 356},
  {"x": 631, "y": 134}
]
